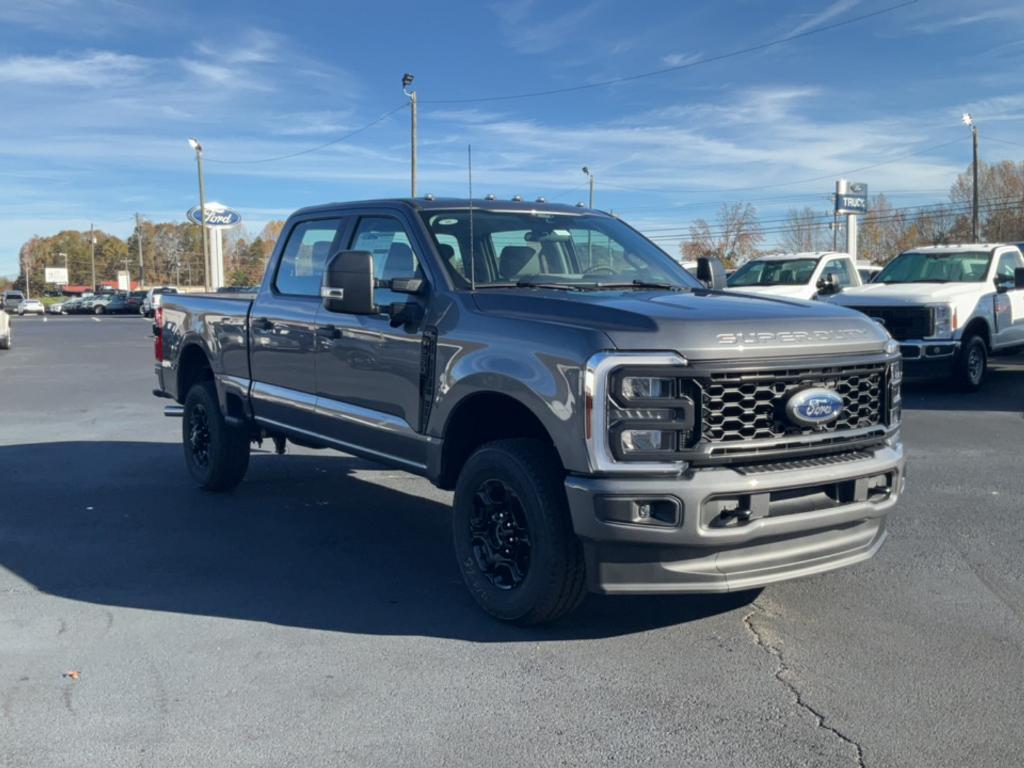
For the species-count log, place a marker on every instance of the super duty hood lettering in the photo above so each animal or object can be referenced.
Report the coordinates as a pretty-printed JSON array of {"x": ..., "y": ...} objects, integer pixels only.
[{"x": 791, "y": 337}]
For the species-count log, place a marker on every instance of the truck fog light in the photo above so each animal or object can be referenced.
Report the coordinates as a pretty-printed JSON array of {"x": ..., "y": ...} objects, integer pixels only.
[
  {"x": 646, "y": 387},
  {"x": 646, "y": 440}
]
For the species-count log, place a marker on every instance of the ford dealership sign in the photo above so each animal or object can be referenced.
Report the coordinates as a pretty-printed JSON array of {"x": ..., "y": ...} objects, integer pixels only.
[{"x": 217, "y": 215}]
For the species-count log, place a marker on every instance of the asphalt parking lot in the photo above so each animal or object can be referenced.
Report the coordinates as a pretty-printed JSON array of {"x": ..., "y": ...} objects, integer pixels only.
[{"x": 316, "y": 617}]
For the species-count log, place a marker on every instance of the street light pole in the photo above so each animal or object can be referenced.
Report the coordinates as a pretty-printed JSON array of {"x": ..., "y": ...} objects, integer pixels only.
[
  {"x": 92, "y": 255},
  {"x": 406, "y": 82},
  {"x": 138, "y": 237},
  {"x": 194, "y": 143},
  {"x": 586, "y": 170},
  {"x": 969, "y": 121}
]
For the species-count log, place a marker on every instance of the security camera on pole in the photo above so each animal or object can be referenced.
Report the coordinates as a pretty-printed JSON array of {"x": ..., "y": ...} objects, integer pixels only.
[{"x": 851, "y": 200}]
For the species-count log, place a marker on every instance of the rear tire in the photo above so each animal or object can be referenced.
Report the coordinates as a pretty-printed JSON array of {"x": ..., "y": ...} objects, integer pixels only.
[
  {"x": 216, "y": 453},
  {"x": 971, "y": 364},
  {"x": 5, "y": 342},
  {"x": 513, "y": 536}
]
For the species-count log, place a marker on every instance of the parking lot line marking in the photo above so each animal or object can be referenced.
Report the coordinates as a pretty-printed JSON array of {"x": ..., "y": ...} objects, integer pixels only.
[{"x": 95, "y": 319}]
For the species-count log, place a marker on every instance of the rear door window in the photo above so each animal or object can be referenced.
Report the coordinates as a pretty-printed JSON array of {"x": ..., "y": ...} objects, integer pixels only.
[{"x": 310, "y": 245}]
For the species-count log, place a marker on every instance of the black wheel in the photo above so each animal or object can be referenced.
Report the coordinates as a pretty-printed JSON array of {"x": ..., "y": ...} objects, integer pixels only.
[
  {"x": 971, "y": 364},
  {"x": 216, "y": 453},
  {"x": 513, "y": 536},
  {"x": 6, "y": 341}
]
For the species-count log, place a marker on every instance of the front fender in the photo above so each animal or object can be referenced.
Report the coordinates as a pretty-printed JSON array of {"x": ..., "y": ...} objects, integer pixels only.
[{"x": 547, "y": 386}]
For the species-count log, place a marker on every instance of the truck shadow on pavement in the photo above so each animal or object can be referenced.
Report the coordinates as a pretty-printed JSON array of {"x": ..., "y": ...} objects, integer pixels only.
[
  {"x": 1003, "y": 390},
  {"x": 305, "y": 541}
]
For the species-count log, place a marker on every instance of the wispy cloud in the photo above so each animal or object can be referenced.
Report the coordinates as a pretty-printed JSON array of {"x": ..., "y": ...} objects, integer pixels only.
[
  {"x": 96, "y": 69},
  {"x": 1013, "y": 13},
  {"x": 526, "y": 33},
  {"x": 824, "y": 16},
  {"x": 679, "y": 59}
]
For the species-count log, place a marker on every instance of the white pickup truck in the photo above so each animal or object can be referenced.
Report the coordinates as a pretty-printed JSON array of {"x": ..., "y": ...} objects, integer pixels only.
[
  {"x": 5, "y": 330},
  {"x": 950, "y": 307},
  {"x": 797, "y": 275}
]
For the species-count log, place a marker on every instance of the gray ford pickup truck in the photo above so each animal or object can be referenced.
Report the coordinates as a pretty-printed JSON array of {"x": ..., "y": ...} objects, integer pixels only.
[{"x": 607, "y": 421}]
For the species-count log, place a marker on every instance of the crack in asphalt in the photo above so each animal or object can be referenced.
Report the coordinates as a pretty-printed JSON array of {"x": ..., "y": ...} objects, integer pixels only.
[{"x": 784, "y": 674}]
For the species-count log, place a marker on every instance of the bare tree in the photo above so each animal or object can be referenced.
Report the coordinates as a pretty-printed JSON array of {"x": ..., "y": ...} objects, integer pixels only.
[
  {"x": 805, "y": 230},
  {"x": 733, "y": 239}
]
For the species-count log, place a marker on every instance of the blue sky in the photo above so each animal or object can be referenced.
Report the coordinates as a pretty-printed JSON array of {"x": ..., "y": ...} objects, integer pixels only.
[{"x": 100, "y": 96}]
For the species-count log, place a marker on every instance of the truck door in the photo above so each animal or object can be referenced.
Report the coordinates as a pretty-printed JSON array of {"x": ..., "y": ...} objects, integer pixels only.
[
  {"x": 368, "y": 373},
  {"x": 1009, "y": 302},
  {"x": 282, "y": 326}
]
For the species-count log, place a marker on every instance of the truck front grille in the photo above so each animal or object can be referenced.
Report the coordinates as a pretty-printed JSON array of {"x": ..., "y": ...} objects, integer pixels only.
[
  {"x": 743, "y": 406},
  {"x": 903, "y": 323}
]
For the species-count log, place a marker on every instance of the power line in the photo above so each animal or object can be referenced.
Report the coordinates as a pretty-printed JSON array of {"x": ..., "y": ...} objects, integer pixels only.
[
  {"x": 679, "y": 67},
  {"x": 1002, "y": 141},
  {"x": 340, "y": 139}
]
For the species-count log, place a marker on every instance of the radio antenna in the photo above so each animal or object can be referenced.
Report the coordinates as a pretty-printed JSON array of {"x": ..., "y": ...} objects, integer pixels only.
[{"x": 472, "y": 257}]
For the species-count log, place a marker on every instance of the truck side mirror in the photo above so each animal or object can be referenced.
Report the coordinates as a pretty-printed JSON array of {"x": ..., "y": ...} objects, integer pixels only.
[
  {"x": 1018, "y": 278},
  {"x": 711, "y": 272},
  {"x": 348, "y": 284},
  {"x": 828, "y": 285}
]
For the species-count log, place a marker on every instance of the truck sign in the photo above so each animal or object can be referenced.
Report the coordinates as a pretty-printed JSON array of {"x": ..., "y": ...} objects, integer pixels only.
[{"x": 853, "y": 200}]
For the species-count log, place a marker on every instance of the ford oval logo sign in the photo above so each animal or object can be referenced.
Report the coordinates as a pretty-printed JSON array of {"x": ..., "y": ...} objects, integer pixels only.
[
  {"x": 814, "y": 407},
  {"x": 217, "y": 215}
]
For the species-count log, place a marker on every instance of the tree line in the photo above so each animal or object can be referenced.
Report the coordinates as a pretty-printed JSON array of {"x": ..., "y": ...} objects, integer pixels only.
[
  {"x": 737, "y": 234},
  {"x": 171, "y": 254}
]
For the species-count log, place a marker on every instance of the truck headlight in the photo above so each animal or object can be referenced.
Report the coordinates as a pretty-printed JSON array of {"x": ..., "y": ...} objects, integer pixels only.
[
  {"x": 637, "y": 441},
  {"x": 633, "y": 388},
  {"x": 943, "y": 321},
  {"x": 638, "y": 412}
]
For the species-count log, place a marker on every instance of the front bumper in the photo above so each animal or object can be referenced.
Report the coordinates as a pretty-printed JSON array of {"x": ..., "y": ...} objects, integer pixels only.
[
  {"x": 736, "y": 528},
  {"x": 928, "y": 359}
]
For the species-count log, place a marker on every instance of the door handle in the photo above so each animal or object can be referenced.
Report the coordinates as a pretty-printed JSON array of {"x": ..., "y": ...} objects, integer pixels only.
[{"x": 328, "y": 332}]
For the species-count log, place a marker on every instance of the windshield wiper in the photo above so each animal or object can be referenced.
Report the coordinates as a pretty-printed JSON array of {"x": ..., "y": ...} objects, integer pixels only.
[
  {"x": 638, "y": 284},
  {"x": 556, "y": 286}
]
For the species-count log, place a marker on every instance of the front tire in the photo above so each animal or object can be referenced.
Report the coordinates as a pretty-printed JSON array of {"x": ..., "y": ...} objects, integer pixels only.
[
  {"x": 5, "y": 342},
  {"x": 971, "y": 364},
  {"x": 216, "y": 453},
  {"x": 513, "y": 536}
]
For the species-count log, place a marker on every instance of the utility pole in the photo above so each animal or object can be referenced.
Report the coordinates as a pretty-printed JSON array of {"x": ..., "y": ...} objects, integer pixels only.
[
  {"x": 969, "y": 121},
  {"x": 92, "y": 252},
  {"x": 590, "y": 206},
  {"x": 194, "y": 143},
  {"x": 138, "y": 237},
  {"x": 586, "y": 170},
  {"x": 406, "y": 82}
]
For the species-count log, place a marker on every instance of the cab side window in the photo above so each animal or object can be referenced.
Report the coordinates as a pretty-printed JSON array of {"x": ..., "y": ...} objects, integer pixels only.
[
  {"x": 1008, "y": 264},
  {"x": 842, "y": 269},
  {"x": 393, "y": 255},
  {"x": 310, "y": 245}
]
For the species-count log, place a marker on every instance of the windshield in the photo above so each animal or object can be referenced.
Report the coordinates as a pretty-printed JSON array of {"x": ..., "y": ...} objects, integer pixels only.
[
  {"x": 567, "y": 251},
  {"x": 773, "y": 272},
  {"x": 955, "y": 267}
]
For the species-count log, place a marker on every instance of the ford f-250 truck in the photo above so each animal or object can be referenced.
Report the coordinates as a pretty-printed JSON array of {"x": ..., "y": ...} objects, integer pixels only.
[
  {"x": 607, "y": 421},
  {"x": 949, "y": 306}
]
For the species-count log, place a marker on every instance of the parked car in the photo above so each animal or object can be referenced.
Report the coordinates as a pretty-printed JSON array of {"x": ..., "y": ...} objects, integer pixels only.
[
  {"x": 117, "y": 304},
  {"x": 70, "y": 307},
  {"x": 950, "y": 307},
  {"x": 152, "y": 300},
  {"x": 797, "y": 275},
  {"x": 9, "y": 300},
  {"x": 56, "y": 308},
  {"x": 605, "y": 423},
  {"x": 135, "y": 300},
  {"x": 31, "y": 307},
  {"x": 6, "y": 334}
]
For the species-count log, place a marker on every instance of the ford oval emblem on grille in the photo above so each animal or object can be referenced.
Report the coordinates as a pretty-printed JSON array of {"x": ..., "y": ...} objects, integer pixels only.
[{"x": 814, "y": 407}]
